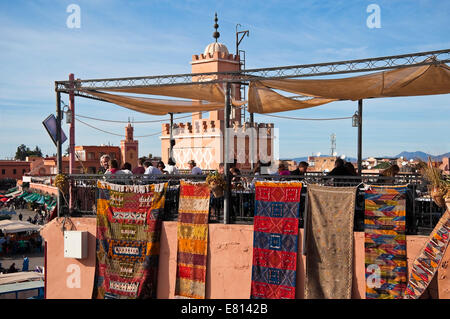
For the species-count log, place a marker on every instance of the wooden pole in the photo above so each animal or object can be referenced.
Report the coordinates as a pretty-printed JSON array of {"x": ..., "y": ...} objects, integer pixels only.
[
  {"x": 72, "y": 136},
  {"x": 58, "y": 148}
]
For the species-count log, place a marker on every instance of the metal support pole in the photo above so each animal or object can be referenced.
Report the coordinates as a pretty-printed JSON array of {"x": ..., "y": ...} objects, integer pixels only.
[
  {"x": 252, "y": 142},
  {"x": 58, "y": 147},
  {"x": 227, "y": 198},
  {"x": 360, "y": 105},
  {"x": 72, "y": 136},
  {"x": 171, "y": 137}
]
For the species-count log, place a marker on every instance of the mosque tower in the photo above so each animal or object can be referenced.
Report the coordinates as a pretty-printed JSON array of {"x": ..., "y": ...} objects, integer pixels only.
[
  {"x": 129, "y": 147},
  {"x": 202, "y": 138}
]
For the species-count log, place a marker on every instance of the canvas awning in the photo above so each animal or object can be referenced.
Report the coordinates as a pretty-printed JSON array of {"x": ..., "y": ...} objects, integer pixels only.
[
  {"x": 204, "y": 97},
  {"x": 17, "y": 226},
  {"x": 157, "y": 106},
  {"x": 406, "y": 81},
  {"x": 262, "y": 99}
]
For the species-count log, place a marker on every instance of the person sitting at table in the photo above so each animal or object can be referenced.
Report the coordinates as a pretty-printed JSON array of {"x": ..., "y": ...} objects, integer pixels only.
[
  {"x": 301, "y": 168},
  {"x": 282, "y": 170},
  {"x": 195, "y": 170},
  {"x": 235, "y": 172},
  {"x": 114, "y": 167},
  {"x": 389, "y": 174},
  {"x": 12, "y": 268}
]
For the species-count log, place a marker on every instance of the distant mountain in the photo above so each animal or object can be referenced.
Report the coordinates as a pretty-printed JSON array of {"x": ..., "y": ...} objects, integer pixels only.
[
  {"x": 421, "y": 155},
  {"x": 408, "y": 155},
  {"x": 305, "y": 158}
]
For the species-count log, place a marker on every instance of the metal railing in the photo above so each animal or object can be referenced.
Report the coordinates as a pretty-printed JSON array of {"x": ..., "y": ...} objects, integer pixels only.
[{"x": 422, "y": 213}]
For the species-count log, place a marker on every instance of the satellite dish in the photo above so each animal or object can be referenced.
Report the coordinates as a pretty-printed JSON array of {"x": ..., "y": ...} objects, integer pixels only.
[
  {"x": 343, "y": 156},
  {"x": 318, "y": 154},
  {"x": 404, "y": 163},
  {"x": 411, "y": 160},
  {"x": 334, "y": 154}
]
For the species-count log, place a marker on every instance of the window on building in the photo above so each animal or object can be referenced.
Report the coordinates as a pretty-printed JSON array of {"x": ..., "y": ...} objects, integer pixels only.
[
  {"x": 112, "y": 155},
  {"x": 14, "y": 171},
  {"x": 3, "y": 171},
  {"x": 91, "y": 155},
  {"x": 92, "y": 170},
  {"x": 23, "y": 171},
  {"x": 131, "y": 155}
]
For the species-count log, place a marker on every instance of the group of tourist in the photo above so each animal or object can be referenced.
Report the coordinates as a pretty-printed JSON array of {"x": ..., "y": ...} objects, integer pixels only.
[
  {"x": 146, "y": 167},
  {"x": 110, "y": 166}
]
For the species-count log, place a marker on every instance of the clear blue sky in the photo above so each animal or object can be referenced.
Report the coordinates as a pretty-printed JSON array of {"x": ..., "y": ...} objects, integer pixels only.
[{"x": 137, "y": 38}]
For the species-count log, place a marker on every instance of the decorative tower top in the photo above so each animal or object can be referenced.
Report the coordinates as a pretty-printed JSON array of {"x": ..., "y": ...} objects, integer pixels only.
[
  {"x": 129, "y": 132},
  {"x": 216, "y": 33}
]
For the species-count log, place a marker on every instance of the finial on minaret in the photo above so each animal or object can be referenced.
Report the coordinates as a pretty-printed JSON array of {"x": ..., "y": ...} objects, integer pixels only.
[{"x": 216, "y": 34}]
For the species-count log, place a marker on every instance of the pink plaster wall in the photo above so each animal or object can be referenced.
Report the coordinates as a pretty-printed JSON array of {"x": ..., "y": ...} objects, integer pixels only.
[
  {"x": 62, "y": 273},
  {"x": 229, "y": 262}
]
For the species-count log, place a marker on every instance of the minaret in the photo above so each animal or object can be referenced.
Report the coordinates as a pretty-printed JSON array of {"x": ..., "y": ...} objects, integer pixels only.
[
  {"x": 129, "y": 147},
  {"x": 216, "y": 58},
  {"x": 201, "y": 139}
]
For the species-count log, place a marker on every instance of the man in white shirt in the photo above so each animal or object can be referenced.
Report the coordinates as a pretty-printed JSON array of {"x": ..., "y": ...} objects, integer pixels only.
[
  {"x": 195, "y": 170},
  {"x": 171, "y": 169},
  {"x": 150, "y": 169}
]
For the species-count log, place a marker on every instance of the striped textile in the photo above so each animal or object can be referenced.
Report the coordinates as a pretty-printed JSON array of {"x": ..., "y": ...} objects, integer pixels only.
[
  {"x": 275, "y": 240},
  {"x": 429, "y": 259},
  {"x": 128, "y": 234},
  {"x": 329, "y": 242},
  {"x": 192, "y": 237},
  {"x": 385, "y": 242}
]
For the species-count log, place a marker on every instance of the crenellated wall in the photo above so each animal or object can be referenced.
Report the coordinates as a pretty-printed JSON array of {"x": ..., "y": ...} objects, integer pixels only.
[{"x": 202, "y": 141}]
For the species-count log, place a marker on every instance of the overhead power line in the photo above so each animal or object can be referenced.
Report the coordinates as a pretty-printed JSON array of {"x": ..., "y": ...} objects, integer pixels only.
[
  {"x": 307, "y": 119},
  {"x": 121, "y": 135},
  {"x": 134, "y": 122}
]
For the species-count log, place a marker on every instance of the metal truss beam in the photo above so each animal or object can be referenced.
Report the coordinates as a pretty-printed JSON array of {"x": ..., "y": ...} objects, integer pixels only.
[{"x": 244, "y": 76}]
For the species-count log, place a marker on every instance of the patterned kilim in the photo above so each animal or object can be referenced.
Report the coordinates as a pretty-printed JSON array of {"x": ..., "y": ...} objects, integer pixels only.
[
  {"x": 427, "y": 263},
  {"x": 385, "y": 242},
  {"x": 128, "y": 234},
  {"x": 329, "y": 242},
  {"x": 193, "y": 210},
  {"x": 275, "y": 240}
]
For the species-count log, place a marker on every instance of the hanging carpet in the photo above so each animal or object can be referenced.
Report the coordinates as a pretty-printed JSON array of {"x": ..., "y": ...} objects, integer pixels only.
[
  {"x": 192, "y": 234},
  {"x": 128, "y": 238},
  {"x": 329, "y": 242},
  {"x": 429, "y": 259},
  {"x": 275, "y": 241},
  {"x": 385, "y": 242}
]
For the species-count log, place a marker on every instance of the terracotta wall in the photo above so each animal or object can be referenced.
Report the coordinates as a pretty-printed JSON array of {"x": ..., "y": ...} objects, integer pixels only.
[{"x": 229, "y": 262}]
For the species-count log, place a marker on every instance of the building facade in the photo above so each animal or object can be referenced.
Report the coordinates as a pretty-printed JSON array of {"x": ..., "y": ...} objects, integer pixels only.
[{"x": 14, "y": 169}]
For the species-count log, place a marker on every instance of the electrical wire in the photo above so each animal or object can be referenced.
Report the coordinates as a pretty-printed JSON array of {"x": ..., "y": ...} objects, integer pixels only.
[
  {"x": 96, "y": 128},
  {"x": 134, "y": 122},
  {"x": 307, "y": 119}
]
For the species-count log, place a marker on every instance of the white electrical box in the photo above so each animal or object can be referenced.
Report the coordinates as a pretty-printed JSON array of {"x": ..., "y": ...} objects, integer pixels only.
[{"x": 75, "y": 244}]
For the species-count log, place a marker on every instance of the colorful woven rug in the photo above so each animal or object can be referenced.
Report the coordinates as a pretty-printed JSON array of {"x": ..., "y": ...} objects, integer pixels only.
[
  {"x": 329, "y": 242},
  {"x": 128, "y": 234},
  {"x": 275, "y": 240},
  {"x": 429, "y": 259},
  {"x": 385, "y": 242},
  {"x": 193, "y": 210}
]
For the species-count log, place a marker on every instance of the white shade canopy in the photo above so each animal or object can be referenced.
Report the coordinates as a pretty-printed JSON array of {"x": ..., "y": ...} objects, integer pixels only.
[{"x": 17, "y": 226}]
